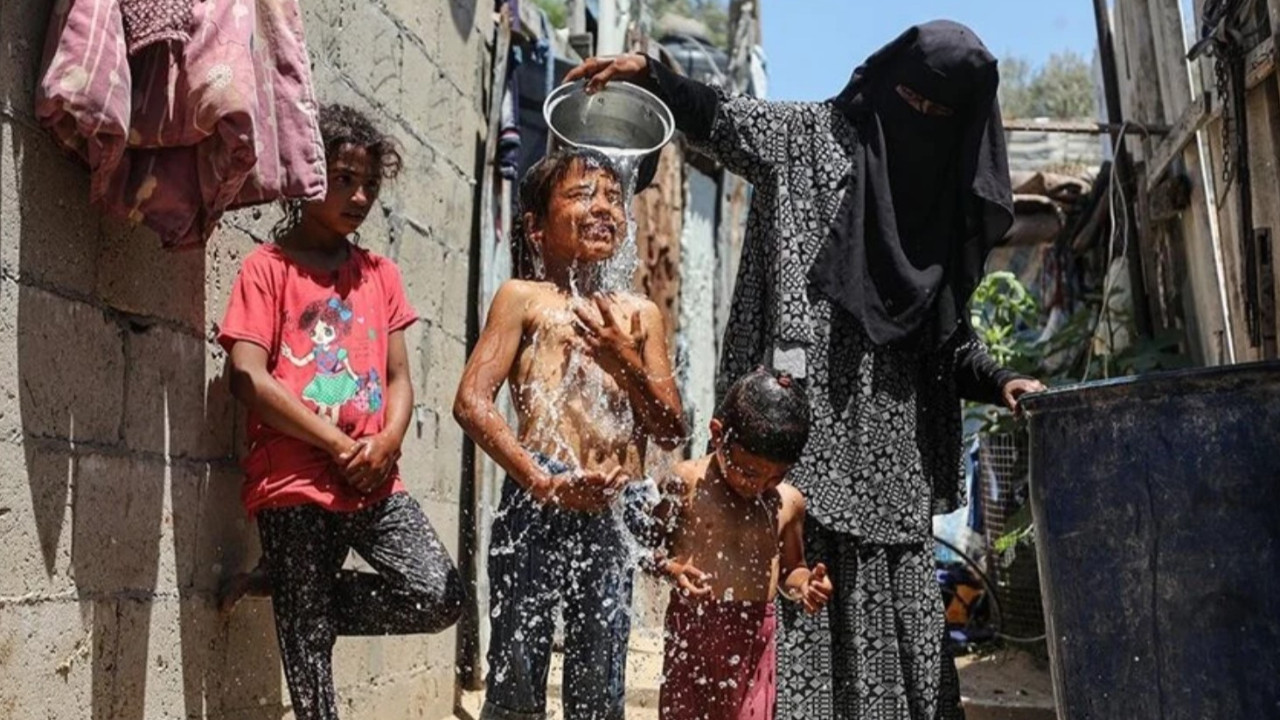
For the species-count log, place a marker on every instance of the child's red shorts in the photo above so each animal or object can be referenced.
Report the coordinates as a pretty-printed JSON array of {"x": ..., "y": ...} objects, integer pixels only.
[{"x": 720, "y": 661}]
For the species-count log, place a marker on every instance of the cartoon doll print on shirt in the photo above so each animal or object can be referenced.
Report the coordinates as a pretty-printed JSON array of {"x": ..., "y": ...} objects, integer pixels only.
[{"x": 336, "y": 382}]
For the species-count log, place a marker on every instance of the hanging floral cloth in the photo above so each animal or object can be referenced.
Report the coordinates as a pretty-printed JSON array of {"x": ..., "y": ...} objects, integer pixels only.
[{"x": 183, "y": 109}]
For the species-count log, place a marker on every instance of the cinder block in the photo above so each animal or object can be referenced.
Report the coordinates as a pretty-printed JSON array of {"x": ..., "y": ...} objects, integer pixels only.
[
  {"x": 422, "y": 267},
  {"x": 48, "y": 234},
  {"x": 447, "y": 473},
  {"x": 251, "y": 679},
  {"x": 50, "y": 658},
  {"x": 454, "y": 224},
  {"x": 256, "y": 222},
  {"x": 355, "y": 661},
  {"x": 460, "y": 39},
  {"x": 175, "y": 401},
  {"x": 11, "y": 429},
  {"x": 442, "y": 358},
  {"x": 70, "y": 369},
  {"x": 119, "y": 518},
  {"x": 227, "y": 540},
  {"x": 420, "y": 696},
  {"x": 138, "y": 276},
  {"x": 35, "y": 519},
  {"x": 159, "y": 655},
  {"x": 23, "y": 26},
  {"x": 457, "y": 295},
  {"x": 419, "y": 22},
  {"x": 439, "y": 110},
  {"x": 360, "y": 41},
  {"x": 224, "y": 255},
  {"x": 443, "y": 516}
]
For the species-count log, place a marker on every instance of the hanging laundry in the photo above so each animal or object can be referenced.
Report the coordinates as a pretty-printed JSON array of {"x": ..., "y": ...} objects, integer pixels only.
[
  {"x": 180, "y": 132},
  {"x": 147, "y": 22},
  {"x": 509, "y": 132}
]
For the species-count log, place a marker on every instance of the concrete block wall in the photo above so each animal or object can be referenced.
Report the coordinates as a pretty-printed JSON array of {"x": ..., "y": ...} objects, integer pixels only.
[{"x": 119, "y": 491}]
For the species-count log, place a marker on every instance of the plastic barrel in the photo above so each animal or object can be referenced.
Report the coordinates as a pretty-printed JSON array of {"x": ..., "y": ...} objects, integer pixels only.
[{"x": 1157, "y": 509}]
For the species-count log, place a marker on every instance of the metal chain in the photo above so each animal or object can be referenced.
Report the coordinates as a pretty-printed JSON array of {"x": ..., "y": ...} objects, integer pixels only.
[
  {"x": 1224, "y": 51},
  {"x": 1222, "y": 76}
]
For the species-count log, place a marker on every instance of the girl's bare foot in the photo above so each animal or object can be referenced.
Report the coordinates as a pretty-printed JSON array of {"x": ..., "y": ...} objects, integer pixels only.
[{"x": 254, "y": 583}]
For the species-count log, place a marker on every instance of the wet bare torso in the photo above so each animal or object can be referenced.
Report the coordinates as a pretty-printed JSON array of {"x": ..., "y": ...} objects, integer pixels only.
[
  {"x": 732, "y": 538},
  {"x": 568, "y": 407}
]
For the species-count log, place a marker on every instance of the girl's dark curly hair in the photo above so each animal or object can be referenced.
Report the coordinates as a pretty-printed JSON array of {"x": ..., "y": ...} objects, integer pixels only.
[{"x": 344, "y": 125}]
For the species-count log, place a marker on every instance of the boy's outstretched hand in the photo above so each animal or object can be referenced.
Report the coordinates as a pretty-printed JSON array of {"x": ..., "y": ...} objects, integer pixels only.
[
  {"x": 817, "y": 589},
  {"x": 688, "y": 579}
]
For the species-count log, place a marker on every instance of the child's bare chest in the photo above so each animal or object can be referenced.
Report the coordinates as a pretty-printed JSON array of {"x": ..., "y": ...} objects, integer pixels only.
[{"x": 737, "y": 526}]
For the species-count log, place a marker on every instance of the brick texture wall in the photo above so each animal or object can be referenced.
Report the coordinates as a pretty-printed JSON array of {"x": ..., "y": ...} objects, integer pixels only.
[{"x": 119, "y": 506}]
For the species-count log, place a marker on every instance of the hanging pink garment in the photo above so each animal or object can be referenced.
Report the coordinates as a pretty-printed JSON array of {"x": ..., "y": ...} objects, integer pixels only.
[
  {"x": 151, "y": 21},
  {"x": 179, "y": 133}
]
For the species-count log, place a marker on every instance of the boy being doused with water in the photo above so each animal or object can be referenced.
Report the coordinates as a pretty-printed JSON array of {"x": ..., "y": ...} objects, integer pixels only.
[
  {"x": 730, "y": 532},
  {"x": 592, "y": 386}
]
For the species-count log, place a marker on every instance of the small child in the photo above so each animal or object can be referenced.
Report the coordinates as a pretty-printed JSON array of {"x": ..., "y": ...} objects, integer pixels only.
[
  {"x": 315, "y": 333},
  {"x": 728, "y": 522},
  {"x": 592, "y": 386}
]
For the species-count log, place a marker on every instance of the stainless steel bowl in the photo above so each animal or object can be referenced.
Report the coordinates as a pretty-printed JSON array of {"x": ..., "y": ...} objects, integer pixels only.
[{"x": 621, "y": 117}]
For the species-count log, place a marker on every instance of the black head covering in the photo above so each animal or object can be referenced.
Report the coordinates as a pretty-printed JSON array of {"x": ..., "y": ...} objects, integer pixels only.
[{"x": 929, "y": 196}]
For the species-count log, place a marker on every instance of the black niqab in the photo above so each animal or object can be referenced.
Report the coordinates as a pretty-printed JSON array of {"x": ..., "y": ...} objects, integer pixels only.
[{"x": 930, "y": 194}]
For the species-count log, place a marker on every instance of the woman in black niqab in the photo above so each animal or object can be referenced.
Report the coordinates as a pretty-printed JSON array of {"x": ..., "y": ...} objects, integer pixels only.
[
  {"x": 871, "y": 218},
  {"x": 907, "y": 251}
]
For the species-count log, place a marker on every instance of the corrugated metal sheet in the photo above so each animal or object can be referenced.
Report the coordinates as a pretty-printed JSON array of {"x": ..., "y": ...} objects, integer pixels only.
[{"x": 1034, "y": 151}]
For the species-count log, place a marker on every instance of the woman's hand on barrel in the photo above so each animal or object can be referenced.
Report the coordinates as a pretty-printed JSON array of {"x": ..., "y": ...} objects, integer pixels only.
[
  {"x": 1016, "y": 388},
  {"x": 598, "y": 71}
]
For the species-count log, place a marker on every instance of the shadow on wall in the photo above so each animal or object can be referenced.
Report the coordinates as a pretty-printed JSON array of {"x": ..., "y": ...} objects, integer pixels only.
[
  {"x": 463, "y": 13},
  {"x": 127, "y": 439}
]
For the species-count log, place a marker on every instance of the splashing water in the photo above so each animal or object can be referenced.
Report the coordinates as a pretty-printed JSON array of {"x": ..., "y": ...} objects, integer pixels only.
[{"x": 585, "y": 398}]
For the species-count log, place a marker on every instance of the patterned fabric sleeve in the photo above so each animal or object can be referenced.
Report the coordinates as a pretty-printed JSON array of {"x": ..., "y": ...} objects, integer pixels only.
[
  {"x": 788, "y": 152},
  {"x": 745, "y": 134},
  {"x": 751, "y": 137},
  {"x": 978, "y": 377}
]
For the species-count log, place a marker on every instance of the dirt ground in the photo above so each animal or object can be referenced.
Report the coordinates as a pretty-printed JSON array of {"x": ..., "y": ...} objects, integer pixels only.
[
  {"x": 1006, "y": 685},
  {"x": 1002, "y": 685}
]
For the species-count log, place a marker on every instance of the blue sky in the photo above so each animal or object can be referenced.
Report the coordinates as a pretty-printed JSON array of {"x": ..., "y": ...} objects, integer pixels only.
[{"x": 813, "y": 45}]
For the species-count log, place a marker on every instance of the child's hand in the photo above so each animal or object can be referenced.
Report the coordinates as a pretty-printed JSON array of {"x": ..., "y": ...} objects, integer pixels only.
[
  {"x": 619, "y": 352},
  {"x": 817, "y": 589},
  {"x": 688, "y": 579},
  {"x": 370, "y": 462},
  {"x": 581, "y": 491}
]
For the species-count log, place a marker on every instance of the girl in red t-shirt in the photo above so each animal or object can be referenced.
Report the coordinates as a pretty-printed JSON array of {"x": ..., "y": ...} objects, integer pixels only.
[{"x": 315, "y": 333}]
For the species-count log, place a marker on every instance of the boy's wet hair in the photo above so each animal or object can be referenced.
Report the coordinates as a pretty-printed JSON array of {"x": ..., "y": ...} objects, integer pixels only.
[
  {"x": 536, "y": 190},
  {"x": 766, "y": 414},
  {"x": 343, "y": 125}
]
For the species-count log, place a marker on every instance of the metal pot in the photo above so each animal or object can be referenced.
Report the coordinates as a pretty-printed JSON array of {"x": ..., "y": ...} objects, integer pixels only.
[{"x": 621, "y": 117}]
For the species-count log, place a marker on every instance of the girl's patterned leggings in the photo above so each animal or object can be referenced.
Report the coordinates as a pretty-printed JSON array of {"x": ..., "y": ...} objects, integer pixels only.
[{"x": 416, "y": 588}]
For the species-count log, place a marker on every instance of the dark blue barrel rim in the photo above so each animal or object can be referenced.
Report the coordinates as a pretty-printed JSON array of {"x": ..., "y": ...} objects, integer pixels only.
[{"x": 1179, "y": 382}]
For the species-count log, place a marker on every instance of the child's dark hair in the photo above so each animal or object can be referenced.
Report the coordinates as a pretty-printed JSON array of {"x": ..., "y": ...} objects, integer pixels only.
[
  {"x": 536, "y": 189},
  {"x": 343, "y": 125},
  {"x": 766, "y": 414}
]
